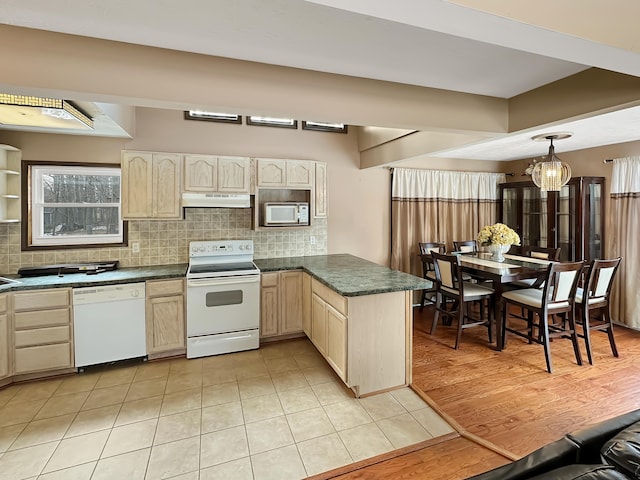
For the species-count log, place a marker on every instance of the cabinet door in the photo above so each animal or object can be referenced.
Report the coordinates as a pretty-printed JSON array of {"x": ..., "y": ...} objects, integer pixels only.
[
  {"x": 319, "y": 323},
  {"x": 271, "y": 172},
  {"x": 166, "y": 185},
  {"x": 165, "y": 324},
  {"x": 306, "y": 304},
  {"x": 137, "y": 185},
  {"x": 290, "y": 302},
  {"x": 269, "y": 305},
  {"x": 4, "y": 345},
  {"x": 321, "y": 190},
  {"x": 300, "y": 173},
  {"x": 337, "y": 341},
  {"x": 200, "y": 173},
  {"x": 234, "y": 174}
]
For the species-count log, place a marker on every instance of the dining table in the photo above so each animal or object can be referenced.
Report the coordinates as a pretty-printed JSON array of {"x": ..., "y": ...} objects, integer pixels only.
[{"x": 481, "y": 265}]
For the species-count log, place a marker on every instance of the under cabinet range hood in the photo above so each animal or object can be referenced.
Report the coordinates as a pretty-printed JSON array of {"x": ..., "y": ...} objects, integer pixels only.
[{"x": 216, "y": 200}]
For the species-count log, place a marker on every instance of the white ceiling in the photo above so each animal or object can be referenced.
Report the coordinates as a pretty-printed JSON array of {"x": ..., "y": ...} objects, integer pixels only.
[{"x": 431, "y": 43}]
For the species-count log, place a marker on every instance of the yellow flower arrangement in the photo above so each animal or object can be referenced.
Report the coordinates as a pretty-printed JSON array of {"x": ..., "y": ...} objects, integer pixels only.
[{"x": 498, "y": 234}]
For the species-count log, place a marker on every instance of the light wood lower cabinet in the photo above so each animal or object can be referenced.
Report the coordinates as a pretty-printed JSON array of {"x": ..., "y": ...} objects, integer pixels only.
[
  {"x": 329, "y": 327},
  {"x": 281, "y": 304},
  {"x": 5, "y": 346},
  {"x": 43, "y": 331},
  {"x": 165, "y": 318},
  {"x": 306, "y": 304},
  {"x": 366, "y": 339}
]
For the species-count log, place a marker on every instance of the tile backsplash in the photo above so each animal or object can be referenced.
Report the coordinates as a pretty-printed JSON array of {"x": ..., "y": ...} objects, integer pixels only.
[{"x": 165, "y": 242}]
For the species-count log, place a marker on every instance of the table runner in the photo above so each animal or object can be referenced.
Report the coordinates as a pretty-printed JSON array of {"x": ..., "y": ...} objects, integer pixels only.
[
  {"x": 488, "y": 263},
  {"x": 528, "y": 259}
]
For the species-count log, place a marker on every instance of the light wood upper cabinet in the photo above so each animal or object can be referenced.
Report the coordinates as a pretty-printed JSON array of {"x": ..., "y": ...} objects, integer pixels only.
[
  {"x": 320, "y": 190},
  {"x": 151, "y": 185},
  {"x": 271, "y": 172},
  {"x": 234, "y": 174},
  {"x": 10, "y": 190},
  {"x": 274, "y": 172},
  {"x": 300, "y": 173},
  {"x": 200, "y": 173},
  {"x": 165, "y": 319},
  {"x": 166, "y": 185},
  {"x": 137, "y": 184}
]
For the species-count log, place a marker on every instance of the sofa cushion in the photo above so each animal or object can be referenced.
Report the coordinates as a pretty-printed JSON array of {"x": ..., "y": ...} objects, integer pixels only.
[
  {"x": 623, "y": 451},
  {"x": 582, "y": 472}
]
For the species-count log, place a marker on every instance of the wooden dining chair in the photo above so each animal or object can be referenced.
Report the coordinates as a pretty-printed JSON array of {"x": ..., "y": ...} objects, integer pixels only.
[
  {"x": 594, "y": 298},
  {"x": 543, "y": 253},
  {"x": 553, "y": 305},
  {"x": 465, "y": 246},
  {"x": 428, "y": 270},
  {"x": 452, "y": 287}
]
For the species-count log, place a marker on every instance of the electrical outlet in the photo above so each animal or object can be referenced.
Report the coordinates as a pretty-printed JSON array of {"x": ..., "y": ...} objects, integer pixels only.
[
  {"x": 135, "y": 247},
  {"x": 312, "y": 240}
]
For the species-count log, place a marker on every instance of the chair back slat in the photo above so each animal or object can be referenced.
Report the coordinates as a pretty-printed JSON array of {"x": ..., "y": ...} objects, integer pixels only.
[
  {"x": 448, "y": 271},
  {"x": 465, "y": 246}
]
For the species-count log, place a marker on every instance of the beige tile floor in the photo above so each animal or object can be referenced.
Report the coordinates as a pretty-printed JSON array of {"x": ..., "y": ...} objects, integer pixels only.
[{"x": 274, "y": 413}]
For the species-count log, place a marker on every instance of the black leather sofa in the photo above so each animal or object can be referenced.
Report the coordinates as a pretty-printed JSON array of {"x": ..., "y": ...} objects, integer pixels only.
[{"x": 609, "y": 450}]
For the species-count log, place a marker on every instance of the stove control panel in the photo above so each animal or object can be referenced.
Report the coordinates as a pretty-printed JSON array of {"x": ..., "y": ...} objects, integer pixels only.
[{"x": 213, "y": 248}]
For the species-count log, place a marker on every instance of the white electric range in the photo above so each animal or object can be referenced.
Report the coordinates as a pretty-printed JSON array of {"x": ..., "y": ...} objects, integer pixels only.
[{"x": 223, "y": 298}]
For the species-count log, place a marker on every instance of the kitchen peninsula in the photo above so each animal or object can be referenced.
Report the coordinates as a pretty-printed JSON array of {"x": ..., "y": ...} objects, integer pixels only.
[{"x": 358, "y": 314}]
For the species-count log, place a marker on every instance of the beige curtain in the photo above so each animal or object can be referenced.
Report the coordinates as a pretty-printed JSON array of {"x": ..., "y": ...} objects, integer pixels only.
[
  {"x": 624, "y": 231},
  {"x": 438, "y": 206}
]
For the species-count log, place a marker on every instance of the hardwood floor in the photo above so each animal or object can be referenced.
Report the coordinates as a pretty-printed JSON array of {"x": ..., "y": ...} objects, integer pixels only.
[{"x": 507, "y": 398}]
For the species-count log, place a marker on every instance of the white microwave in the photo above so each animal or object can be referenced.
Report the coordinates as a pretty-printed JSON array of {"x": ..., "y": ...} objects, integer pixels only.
[{"x": 284, "y": 214}]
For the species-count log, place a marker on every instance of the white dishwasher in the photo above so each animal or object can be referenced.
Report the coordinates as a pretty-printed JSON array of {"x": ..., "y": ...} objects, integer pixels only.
[{"x": 109, "y": 323}]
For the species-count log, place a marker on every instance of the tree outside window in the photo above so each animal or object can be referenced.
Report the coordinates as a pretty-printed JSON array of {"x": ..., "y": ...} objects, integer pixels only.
[{"x": 75, "y": 205}]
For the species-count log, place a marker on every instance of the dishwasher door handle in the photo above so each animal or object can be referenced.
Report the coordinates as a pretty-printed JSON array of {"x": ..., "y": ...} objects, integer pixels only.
[{"x": 214, "y": 282}]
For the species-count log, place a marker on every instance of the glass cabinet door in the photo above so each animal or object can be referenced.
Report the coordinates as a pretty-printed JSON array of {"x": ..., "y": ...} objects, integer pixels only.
[
  {"x": 534, "y": 217},
  {"x": 593, "y": 227},
  {"x": 510, "y": 208},
  {"x": 565, "y": 225}
]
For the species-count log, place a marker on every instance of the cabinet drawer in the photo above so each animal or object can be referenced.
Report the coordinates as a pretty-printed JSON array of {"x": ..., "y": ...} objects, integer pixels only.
[
  {"x": 42, "y": 318},
  {"x": 41, "y": 299},
  {"x": 40, "y": 336},
  {"x": 269, "y": 279},
  {"x": 333, "y": 298},
  {"x": 44, "y": 357},
  {"x": 162, "y": 288},
  {"x": 3, "y": 303}
]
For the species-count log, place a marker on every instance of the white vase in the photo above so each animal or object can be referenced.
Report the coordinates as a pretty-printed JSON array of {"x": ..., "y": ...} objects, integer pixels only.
[{"x": 498, "y": 251}]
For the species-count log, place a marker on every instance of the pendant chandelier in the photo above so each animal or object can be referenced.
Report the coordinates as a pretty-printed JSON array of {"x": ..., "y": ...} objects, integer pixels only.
[{"x": 551, "y": 173}]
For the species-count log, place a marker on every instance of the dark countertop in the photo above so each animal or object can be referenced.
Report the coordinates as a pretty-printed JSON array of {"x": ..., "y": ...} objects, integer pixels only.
[
  {"x": 348, "y": 275},
  {"x": 122, "y": 275}
]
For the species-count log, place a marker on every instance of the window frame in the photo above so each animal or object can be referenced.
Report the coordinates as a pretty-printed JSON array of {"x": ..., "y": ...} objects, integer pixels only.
[
  {"x": 27, "y": 208},
  {"x": 189, "y": 115},
  {"x": 324, "y": 127}
]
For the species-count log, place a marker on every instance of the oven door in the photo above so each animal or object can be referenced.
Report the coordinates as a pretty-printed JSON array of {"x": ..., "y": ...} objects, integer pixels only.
[{"x": 221, "y": 305}]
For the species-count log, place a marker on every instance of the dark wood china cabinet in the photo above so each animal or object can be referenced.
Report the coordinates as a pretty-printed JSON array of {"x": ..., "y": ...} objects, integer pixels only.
[{"x": 571, "y": 219}]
